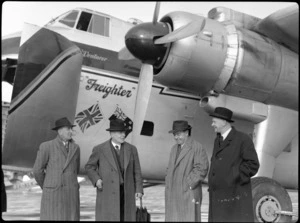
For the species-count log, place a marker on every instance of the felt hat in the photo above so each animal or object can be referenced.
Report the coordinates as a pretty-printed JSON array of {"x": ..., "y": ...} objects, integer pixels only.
[
  {"x": 222, "y": 113},
  {"x": 116, "y": 125},
  {"x": 62, "y": 122},
  {"x": 180, "y": 125}
]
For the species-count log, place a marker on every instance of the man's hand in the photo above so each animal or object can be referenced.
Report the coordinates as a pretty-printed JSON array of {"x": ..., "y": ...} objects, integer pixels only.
[
  {"x": 138, "y": 195},
  {"x": 196, "y": 195},
  {"x": 99, "y": 184}
]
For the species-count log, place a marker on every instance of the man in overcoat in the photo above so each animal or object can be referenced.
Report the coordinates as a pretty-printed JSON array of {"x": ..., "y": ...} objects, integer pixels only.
[
  {"x": 114, "y": 169},
  {"x": 187, "y": 168},
  {"x": 55, "y": 170},
  {"x": 234, "y": 161}
]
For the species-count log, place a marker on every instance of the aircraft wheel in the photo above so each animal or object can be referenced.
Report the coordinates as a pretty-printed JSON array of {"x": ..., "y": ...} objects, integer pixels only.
[{"x": 270, "y": 197}]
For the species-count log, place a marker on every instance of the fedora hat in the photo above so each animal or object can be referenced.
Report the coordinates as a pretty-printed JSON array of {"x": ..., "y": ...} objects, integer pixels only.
[
  {"x": 222, "y": 113},
  {"x": 180, "y": 125},
  {"x": 116, "y": 125},
  {"x": 62, "y": 122}
]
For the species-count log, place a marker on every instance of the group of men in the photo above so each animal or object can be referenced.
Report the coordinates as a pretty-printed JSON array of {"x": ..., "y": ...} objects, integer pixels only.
[{"x": 114, "y": 170}]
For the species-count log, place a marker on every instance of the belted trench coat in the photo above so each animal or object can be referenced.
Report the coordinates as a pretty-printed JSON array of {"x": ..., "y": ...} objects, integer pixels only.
[
  {"x": 102, "y": 165},
  {"x": 233, "y": 163},
  {"x": 56, "y": 171},
  {"x": 188, "y": 171}
]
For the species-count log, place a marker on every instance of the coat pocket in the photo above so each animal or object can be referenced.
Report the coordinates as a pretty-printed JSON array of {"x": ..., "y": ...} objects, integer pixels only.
[
  {"x": 243, "y": 178},
  {"x": 185, "y": 186},
  {"x": 235, "y": 174},
  {"x": 233, "y": 177}
]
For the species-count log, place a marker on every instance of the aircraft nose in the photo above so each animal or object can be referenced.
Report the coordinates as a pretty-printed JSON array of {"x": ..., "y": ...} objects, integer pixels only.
[{"x": 139, "y": 41}]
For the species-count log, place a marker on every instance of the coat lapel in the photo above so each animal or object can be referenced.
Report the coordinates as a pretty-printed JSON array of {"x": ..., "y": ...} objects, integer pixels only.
[
  {"x": 227, "y": 141},
  {"x": 59, "y": 144},
  {"x": 184, "y": 151},
  {"x": 108, "y": 154},
  {"x": 72, "y": 150},
  {"x": 173, "y": 155},
  {"x": 127, "y": 151}
]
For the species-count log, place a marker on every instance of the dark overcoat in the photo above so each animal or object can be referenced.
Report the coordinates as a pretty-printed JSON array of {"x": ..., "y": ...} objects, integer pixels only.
[
  {"x": 56, "y": 171},
  {"x": 233, "y": 163},
  {"x": 184, "y": 181},
  {"x": 102, "y": 165}
]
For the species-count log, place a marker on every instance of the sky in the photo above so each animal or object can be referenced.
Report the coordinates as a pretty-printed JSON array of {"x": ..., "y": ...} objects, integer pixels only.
[{"x": 15, "y": 13}]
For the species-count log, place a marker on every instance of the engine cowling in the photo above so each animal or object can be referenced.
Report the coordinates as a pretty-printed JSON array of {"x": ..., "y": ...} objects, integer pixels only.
[{"x": 223, "y": 58}]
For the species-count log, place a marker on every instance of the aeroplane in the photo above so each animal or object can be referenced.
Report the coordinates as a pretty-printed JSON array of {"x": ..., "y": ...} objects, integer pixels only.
[{"x": 92, "y": 67}]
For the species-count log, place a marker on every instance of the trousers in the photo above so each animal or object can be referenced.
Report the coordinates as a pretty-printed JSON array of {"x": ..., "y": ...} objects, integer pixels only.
[{"x": 122, "y": 202}]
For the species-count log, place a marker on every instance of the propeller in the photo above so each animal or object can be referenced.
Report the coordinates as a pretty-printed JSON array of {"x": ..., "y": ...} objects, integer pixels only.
[
  {"x": 142, "y": 99},
  {"x": 156, "y": 12},
  {"x": 182, "y": 32},
  {"x": 142, "y": 43},
  {"x": 144, "y": 91}
]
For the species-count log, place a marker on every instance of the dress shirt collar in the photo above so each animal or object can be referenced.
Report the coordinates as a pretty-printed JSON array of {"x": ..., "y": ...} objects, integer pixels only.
[
  {"x": 181, "y": 146},
  {"x": 63, "y": 142},
  {"x": 115, "y": 144},
  {"x": 225, "y": 134}
]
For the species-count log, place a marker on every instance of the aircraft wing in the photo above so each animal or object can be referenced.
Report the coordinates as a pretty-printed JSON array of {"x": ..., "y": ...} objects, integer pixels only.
[{"x": 282, "y": 26}]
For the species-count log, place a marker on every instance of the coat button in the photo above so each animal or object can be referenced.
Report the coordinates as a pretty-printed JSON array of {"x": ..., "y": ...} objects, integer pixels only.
[
  {"x": 112, "y": 181},
  {"x": 213, "y": 174}
]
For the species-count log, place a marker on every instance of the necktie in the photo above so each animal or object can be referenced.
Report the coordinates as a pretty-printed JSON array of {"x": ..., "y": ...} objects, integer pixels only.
[
  {"x": 220, "y": 140},
  {"x": 67, "y": 146},
  {"x": 178, "y": 152},
  {"x": 117, "y": 149}
]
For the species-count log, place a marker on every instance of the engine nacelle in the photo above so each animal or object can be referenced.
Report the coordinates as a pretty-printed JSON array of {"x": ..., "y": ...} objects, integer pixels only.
[
  {"x": 188, "y": 66},
  {"x": 227, "y": 59}
]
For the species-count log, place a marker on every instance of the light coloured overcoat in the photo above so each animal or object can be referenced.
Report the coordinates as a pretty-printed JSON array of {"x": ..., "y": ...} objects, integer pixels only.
[
  {"x": 56, "y": 173},
  {"x": 189, "y": 170},
  {"x": 102, "y": 165}
]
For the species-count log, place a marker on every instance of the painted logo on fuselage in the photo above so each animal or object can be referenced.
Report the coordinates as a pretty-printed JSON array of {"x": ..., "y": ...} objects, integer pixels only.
[
  {"x": 95, "y": 56},
  {"x": 108, "y": 89}
]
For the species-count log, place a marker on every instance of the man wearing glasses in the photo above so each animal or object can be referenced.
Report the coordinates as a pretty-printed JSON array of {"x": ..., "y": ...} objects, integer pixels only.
[{"x": 188, "y": 166}]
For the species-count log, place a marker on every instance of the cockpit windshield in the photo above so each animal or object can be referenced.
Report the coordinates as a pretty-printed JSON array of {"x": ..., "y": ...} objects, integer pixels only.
[
  {"x": 69, "y": 19},
  {"x": 93, "y": 23},
  {"x": 84, "y": 21}
]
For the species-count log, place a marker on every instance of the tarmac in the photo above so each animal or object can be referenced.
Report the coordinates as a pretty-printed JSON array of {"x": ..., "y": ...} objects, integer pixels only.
[{"x": 23, "y": 202}]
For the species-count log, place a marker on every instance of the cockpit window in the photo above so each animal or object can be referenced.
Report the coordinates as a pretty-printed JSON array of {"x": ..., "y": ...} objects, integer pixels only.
[
  {"x": 94, "y": 24},
  {"x": 99, "y": 25},
  {"x": 84, "y": 21},
  {"x": 69, "y": 19}
]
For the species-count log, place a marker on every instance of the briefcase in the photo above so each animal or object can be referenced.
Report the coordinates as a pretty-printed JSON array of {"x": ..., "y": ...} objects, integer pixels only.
[{"x": 142, "y": 213}]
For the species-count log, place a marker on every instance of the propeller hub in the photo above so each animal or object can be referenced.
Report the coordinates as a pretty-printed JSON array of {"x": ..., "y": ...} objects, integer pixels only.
[{"x": 139, "y": 41}]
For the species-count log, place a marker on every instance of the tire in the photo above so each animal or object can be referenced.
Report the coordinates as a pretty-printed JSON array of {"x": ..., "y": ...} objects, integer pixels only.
[{"x": 269, "y": 196}]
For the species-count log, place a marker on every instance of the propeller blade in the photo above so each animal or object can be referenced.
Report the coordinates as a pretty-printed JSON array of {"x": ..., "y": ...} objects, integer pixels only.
[
  {"x": 182, "y": 32},
  {"x": 142, "y": 99},
  {"x": 156, "y": 12},
  {"x": 124, "y": 54}
]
